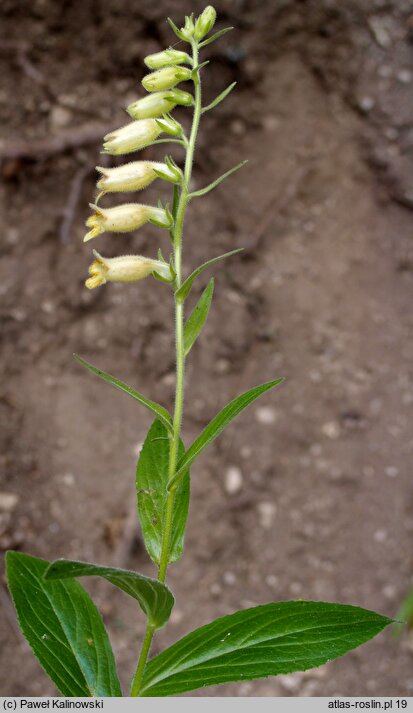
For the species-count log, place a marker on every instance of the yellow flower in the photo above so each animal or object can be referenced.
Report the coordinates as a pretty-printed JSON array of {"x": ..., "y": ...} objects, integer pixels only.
[
  {"x": 124, "y": 218},
  {"x": 126, "y": 268},
  {"x": 132, "y": 137},
  {"x": 166, "y": 58},
  {"x": 132, "y": 176},
  {"x": 159, "y": 103}
]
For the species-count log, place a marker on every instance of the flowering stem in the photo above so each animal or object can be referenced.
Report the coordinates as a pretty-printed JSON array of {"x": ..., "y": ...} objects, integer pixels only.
[{"x": 180, "y": 362}]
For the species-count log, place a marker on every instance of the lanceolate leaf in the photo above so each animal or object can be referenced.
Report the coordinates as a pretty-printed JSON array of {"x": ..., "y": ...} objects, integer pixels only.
[
  {"x": 214, "y": 184},
  {"x": 185, "y": 288},
  {"x": 264, "y": 641},
  {"x": 217, "y": 425},
  {"x": 215, "y": 36},
  {"x": 155, "y": 599},
  {"x": 196, "y": 319},
  {"x": 152, "y": 406},
  {"x": 152, "y": 492},
  {"x": 219, "y": 98},
  {"x": 64, "y": 629}
]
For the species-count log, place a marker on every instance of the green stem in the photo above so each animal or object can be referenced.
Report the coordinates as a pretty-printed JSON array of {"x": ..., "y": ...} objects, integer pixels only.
[{"x": 180, "y": 365}]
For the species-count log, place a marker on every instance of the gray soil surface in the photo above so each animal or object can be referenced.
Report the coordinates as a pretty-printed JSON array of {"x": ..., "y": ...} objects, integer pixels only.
[{"x": 309, "y": 494}]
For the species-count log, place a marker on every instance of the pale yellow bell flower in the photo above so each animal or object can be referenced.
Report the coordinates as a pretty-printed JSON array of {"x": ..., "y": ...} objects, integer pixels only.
[
  {"x": 126, "y": 268},
  {"x": 166, "y": 58},
  {"x": 159, "y": 103},
  {"x": 132, "y": 137},
  {"x": 123, "y": 219},
  {"x": 132, "y": 176}
]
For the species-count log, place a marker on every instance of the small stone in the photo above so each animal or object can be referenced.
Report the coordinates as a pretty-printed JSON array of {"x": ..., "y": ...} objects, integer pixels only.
[
  {"x": 266, "y": 514},
  {"x": 272, "y": 581},
  {"x": 391, "y": 471},
  {"x": 68, "y": 479},
  {"x": 8, "y": 501},
  {"x": 233, "y": 480},
  {"x": 60, "y": 118},
  {"x": 215, "y": 589},
  {"x": 366, "y": 104},
  {"x": 331, "y": 429},
  {"x": 229, "y": 578},
  {"x": 404, "y": 76},
  {"x": 389, "y": 591},
  {"x": 238, "y": 127},
  {"x": 266, "y": 415},
  {"x": 176, "y": 616},
  {"x": 270, "y": 123},
  {"x": 380, "y": 535}
]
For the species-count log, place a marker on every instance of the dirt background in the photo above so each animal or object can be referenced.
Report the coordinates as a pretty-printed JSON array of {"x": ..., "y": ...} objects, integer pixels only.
[{"x": 308, "y": 494}]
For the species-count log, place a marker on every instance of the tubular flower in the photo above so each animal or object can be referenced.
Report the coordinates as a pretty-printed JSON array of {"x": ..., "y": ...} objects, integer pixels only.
[
  {"x": 123, "y": 219},
  {"x": 166, "y": 58},
  {"x": 165, "y": 78},
  {"x": 126, "y": 268},
  {"x": 132, "y": 176},
  {"x": 132, "y": 137},
  {"x": 158, "y": 103}
]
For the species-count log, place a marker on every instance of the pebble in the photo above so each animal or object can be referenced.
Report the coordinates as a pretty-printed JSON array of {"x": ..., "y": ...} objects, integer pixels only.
[
  {"x": 391, "y": 471},
  {"x": 331, "y": 429},
  {"x": 266, "y": 415},
  {"x": 229, "y": 578},
  {"x": 176, "y": 616},
  {"x": 266, "y": 514},
  {"x": 404, "y": 76},
  {"x": 233, "y": 480},
  {"x": 366, "y": 103},
  {"x": 272, "y": 580},
  {"x": 60, "y": 117},
  {"x": 8, "y": 501},
  {"x": 380, "y": 535}
]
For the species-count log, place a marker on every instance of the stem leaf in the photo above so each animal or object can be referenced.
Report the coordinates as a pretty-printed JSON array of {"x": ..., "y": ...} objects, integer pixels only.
[
  {"x": 267, "y": 640},
  {"x": 219, "y": 98},
  {"x": 63, "y": 628},
  {"x": 216, "y": 36},
  {"x": 152, "y": 406},
  {"x": 217, "y": 425},
  {"x": 214, "y": 184},
  {"x": 152, "y": 492},
  {"x": 186, "y": 286},
  {"x": 154, "y": 598},
  {"x": 197, "y": 318}
]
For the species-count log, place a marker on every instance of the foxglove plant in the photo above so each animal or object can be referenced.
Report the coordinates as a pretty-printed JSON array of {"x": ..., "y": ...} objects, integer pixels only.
[{"x": 57, "y": 616}]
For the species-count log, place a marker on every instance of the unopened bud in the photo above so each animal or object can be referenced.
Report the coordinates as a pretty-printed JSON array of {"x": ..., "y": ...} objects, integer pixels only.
[
  {"x": 205, "y": 22},
  {"x": 126, "y": 268},
  {"x": 166, "y": 58},
  {"x": 132, "y": 137},
  {"x": 124, "y": 218},
  {"x": 165, "y": 78},
  {"x": 188, "y": 30},
  {"x": 132, "y": 176}
]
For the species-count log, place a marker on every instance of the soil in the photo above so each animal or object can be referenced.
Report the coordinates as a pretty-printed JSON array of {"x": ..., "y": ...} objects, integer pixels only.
[{"x": 308, "y": 494}]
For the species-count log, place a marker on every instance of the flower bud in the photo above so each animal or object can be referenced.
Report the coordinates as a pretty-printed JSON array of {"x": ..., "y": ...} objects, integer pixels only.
[
  {"x": 124, "y": 218},
  {"x": 165, "y": 78},
  {"x": 132, "y": 137},
  {"x": 188, "y": 30},
  {"x": 126, "y": 268},
  {"x": 169, "y": 126},
  {"x": 158, "y": 103},
  {"x": 166, "y": 58},
  {"x": 132, "y": 176},
  {"x": 205, "y": 22}
]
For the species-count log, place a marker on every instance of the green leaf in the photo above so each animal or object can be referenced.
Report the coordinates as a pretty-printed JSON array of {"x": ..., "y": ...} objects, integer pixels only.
[
  {"x": 264, "y": 641},
  {"x": 152, "y": 406},
  {"x": 215, "y": 36},
  {"x": 151, "y": 487},
  {"x": 217, "y": 425},
  {"x": 177, "y": 32},
  {"x": 214, "y": 184},
  {"x": 155, "y": 599},
  {"x": 219, "y": 98},
  {"x": 64, "y": 629},
  {"x": 196, "y": 319},
  {"x": 186, "y": 286}
]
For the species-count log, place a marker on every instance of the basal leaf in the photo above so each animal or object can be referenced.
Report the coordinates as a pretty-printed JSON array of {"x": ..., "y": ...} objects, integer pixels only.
[
  {"x": 152, "y": 406},
  {"x": 264, "y": 641},
  {"x": 64, "y": 629},
  {"x": 155, "y": 599},
  {"x": 151, "y": 487},
  {"x": 196, "y": 319},
  {"x": 217, "y": 425},
  {"x": 186, "y": 286}
]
